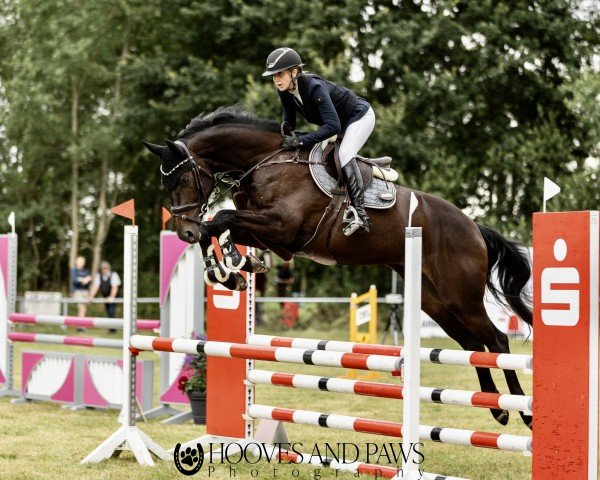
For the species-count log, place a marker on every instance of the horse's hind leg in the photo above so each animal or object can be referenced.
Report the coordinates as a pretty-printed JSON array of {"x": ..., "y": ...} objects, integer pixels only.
[
  {"x": 455, "y": 329},
  {"x": 485, "y": 331},
  {"x": 511, "y": 376}
]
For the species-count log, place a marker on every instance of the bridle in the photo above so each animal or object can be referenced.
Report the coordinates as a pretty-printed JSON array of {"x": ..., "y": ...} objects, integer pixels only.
[
  {"x": 177, "y": 211},
  {"x": 197, "y": 170}
]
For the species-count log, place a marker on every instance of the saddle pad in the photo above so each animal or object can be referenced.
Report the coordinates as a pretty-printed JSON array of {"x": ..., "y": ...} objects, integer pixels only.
[{"x": 379, "y": 194}]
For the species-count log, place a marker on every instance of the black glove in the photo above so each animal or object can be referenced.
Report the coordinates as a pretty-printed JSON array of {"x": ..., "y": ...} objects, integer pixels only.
[
  {"x": 286, "y": 129},
  {"x": 291, "y": 142}
]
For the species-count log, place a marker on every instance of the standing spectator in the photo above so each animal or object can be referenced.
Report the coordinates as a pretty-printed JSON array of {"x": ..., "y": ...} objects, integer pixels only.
[
  {"x": 108, "y": 282},
  {"x": 80, "y": 284}
]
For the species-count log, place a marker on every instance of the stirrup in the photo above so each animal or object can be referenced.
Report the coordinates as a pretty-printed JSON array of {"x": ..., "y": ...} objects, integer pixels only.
[{"x": 352, "y": 221}]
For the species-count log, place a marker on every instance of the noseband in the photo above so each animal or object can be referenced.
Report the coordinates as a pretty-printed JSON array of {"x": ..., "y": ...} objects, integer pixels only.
[{"x": 196, "y": 171}]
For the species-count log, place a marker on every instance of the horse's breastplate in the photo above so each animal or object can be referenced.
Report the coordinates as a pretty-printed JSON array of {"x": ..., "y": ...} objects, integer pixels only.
[{"x": 378, "y": 194}]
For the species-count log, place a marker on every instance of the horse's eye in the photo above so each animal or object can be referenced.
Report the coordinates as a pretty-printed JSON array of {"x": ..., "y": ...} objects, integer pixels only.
[{"x": 184, "y": 180}]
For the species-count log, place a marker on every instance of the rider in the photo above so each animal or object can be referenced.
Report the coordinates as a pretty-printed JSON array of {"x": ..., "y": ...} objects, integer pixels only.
[{"x": 334, "y": 108}]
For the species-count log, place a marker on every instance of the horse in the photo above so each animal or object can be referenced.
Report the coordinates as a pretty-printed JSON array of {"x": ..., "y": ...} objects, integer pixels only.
[{"x": 279, "y": 207}]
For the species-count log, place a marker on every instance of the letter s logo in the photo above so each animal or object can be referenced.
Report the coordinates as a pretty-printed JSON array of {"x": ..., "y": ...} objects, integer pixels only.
[{"x": 562, "y": 305}]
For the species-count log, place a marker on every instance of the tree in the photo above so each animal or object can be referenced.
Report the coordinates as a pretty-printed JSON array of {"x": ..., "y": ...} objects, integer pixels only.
[{"x": 480, "y": 83}]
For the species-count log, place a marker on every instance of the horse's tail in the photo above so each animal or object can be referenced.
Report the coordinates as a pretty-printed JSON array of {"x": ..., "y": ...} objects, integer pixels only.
[{"x": 513, "y": 270}]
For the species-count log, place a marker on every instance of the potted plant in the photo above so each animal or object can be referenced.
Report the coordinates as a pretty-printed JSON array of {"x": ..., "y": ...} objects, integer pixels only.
[{"x": 193, "y": 383}]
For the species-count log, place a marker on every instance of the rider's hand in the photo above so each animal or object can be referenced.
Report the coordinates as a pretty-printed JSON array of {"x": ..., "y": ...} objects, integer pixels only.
[{"x": 291, "y": 143}]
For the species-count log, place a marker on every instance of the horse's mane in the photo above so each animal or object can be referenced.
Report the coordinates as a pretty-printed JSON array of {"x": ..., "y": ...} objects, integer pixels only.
[{"x": 234, "y": 114}]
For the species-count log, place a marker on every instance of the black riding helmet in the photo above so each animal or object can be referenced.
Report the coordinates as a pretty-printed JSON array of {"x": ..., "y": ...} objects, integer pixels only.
[{"x": 282, "y": 59}]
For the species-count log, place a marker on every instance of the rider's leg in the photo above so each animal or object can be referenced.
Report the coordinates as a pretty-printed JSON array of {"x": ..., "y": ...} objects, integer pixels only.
[{"x": 355, "y": 137}]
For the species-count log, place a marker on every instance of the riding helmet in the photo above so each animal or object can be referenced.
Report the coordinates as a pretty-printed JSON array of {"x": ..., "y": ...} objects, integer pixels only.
[{"x": 282, "y": 59}]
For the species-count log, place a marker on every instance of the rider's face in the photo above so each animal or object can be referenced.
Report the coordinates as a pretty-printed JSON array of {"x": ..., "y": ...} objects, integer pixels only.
[{"x": 283, "y": 81}]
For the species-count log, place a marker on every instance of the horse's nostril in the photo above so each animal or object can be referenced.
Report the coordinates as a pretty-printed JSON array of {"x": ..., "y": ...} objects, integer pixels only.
[{"x": 190, "y": 236}]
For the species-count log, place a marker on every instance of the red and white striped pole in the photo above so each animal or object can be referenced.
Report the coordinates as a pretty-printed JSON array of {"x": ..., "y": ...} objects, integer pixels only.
[
  {"x": 444, "y": 396},
  {"x": 454, "y": 436},
  {"x": 440, "y": 356},
  {"x": 359, "y": 361},
  {"x": 84, "y": 322},
  {"x": 48, "y": 338}
]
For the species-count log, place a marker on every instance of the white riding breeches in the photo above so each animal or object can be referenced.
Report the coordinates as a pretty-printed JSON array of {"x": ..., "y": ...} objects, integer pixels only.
[{"x": 356, "y": 136}]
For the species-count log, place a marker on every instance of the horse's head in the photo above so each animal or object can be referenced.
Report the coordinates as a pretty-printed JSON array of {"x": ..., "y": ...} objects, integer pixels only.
[{"x": 189, "y": 182}]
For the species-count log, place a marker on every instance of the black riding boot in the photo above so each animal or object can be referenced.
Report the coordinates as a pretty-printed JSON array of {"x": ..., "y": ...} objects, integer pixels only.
[{"x": 354, "y": 184}]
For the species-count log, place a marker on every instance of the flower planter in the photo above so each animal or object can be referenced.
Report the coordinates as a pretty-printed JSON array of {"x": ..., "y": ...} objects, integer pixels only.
[{"x": 198, "y": 404}]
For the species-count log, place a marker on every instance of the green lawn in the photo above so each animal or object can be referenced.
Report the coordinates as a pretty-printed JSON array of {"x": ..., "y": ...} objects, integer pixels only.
[{"x": 44, "y": 441}]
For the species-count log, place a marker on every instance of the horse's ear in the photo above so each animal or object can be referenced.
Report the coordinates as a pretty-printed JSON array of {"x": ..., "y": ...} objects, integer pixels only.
[
  {"x": 155, "y": 149},
  {"x": 176, "y": 149}
]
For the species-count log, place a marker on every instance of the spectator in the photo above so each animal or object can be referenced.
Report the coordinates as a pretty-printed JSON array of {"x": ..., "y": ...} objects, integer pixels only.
[
  {"x": 80, "y": 284},
  {"x": 108, "y": 283}
]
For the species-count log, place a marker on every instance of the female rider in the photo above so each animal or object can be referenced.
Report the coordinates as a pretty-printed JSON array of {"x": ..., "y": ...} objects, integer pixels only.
[{"x": 334, "y": 108}]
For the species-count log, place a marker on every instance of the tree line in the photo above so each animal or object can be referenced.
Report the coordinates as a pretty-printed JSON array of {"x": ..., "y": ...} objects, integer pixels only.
[{"x": 475, "y": 101}]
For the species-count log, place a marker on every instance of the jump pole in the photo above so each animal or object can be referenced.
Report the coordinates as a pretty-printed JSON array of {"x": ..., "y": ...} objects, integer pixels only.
[{"x": 129, "y": 437}]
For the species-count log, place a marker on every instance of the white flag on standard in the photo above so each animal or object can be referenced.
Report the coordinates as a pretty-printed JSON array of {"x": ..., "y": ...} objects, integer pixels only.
[
  {"x": 11, "y": 221},
  {"x": 414, "y": 203},
  {"x": 550, "y": 190}
]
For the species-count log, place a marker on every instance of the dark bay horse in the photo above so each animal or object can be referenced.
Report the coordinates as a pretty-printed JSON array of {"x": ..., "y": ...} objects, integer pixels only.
[{"x": 279, "y": 207}]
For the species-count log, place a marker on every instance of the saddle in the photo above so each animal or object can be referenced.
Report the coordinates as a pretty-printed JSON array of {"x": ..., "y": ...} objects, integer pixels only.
[{"x": 380, "y": 192}]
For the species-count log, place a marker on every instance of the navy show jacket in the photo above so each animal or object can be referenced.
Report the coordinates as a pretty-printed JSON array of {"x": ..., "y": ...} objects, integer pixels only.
[{"x": 324, "y": 103}]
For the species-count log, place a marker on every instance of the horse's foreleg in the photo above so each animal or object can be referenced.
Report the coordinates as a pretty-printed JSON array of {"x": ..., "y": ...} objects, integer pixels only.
[
  {"x": 234, "y": 260},
  {"x": 214, "y": 273},
  {"x": 253, "y": 223}
]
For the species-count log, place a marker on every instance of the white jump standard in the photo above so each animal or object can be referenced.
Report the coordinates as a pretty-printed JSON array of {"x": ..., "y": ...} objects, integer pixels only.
[{"x": 129, "y": 437}]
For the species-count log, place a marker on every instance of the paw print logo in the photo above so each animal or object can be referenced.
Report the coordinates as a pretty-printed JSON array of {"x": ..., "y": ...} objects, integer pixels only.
[{"x": 188, "y": 460}]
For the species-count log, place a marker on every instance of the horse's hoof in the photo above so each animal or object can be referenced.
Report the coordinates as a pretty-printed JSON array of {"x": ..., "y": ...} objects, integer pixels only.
[
  {"x": 241, "y": 282},
  {"x": 235, "y": 281},
  {"x": 210, "y": 279},
  {"x": 501, "y": 416},
  {"x": 257, "y": 265}
]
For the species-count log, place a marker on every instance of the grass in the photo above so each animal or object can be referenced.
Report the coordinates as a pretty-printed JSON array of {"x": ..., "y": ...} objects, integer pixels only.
[{"x": 44, "y": 441}]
